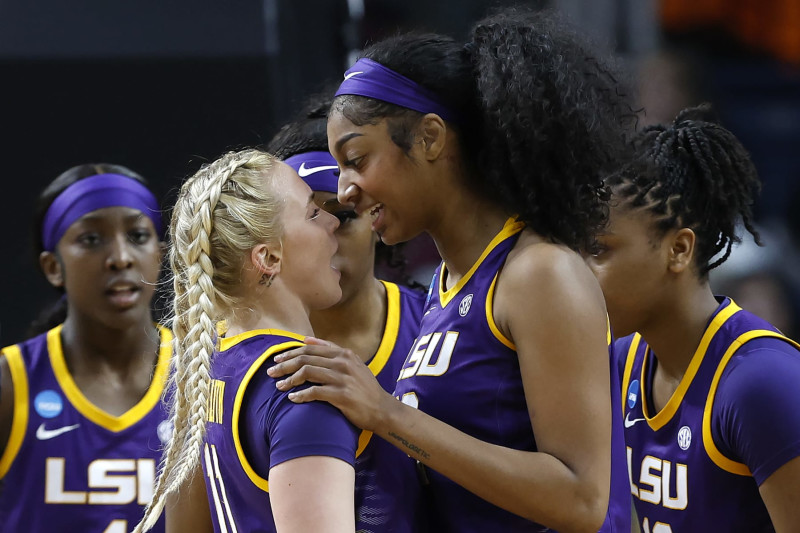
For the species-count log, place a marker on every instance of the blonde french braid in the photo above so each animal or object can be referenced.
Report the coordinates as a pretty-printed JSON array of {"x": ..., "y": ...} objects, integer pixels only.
[{"x": 221, "y": 213}]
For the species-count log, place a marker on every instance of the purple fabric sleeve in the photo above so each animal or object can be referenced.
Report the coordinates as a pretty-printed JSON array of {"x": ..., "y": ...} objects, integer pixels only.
[
  {"x": 756, "y": 414},
  {"x": 275, "y": 430}
]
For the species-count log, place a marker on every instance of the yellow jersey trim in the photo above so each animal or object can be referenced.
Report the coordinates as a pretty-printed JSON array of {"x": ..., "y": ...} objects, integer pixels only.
[
  {"x": 390, "y": 331},
  {"x": 19, "y": 418},
  {"x": 626, "y": 375},
  {"x": 228, "y": 342},
  {"x": 713, "y": 452},
  {"x": 91, "y": 411},
  {"x": 257, "y": 480},
  {"x": 490, "y": 317},
  {"x": 665, "y": 415},
  {"x": 511, "y": 227}
]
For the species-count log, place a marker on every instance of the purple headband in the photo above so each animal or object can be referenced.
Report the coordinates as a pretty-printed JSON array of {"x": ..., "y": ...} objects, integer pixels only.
[
  {"x": 91, "y": 194},
  {"x": 318, "y": 169},
  {"x": 371, "y": 79}
]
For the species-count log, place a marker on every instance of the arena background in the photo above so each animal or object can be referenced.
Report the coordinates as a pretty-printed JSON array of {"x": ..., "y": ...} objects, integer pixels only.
[{"x": 163, "y": 87}]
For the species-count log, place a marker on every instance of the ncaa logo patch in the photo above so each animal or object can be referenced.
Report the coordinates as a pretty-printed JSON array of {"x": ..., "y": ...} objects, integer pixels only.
[
  {"x": 685, "y": 437},
  {"x": 164, "y": 431},
  {"x": 633, "y": 393},
  {"x": 48, "y": 404},
  {"x": 463, "y": 307}
]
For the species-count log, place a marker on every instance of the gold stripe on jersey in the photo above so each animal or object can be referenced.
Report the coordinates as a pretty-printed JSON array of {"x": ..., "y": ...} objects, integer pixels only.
[
  {"x": 626, "y": 376},
  {"x": 214, "y": 401},
  {"x": 257, "y": 480},
  {"x": 390, "y": 331},
  {"x": 665, "y": 415},
  {"x": 734, "y": 467},
  {"x": 490, "y": 317},
  {"x": 19, "y": 419},
  {"x": 227, "y": 342},
  {"x": 511, "y": 227},
  {"x": 91, "y": 411}
]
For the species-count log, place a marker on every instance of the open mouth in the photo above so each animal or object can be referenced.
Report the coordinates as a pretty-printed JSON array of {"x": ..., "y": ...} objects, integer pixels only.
[{"x": 123, "y": 296}]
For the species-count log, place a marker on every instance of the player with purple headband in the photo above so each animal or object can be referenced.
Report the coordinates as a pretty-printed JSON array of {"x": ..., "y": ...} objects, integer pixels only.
[
  {"x": 710, "y": 391},
  {"x": 376, "y": 319},
  {"x": 497, "y": 149},
  {"x": 81, "y": 417}
]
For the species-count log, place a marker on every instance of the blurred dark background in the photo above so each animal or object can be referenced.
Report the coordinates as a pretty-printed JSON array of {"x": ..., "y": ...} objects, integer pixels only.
[{"x": 163, "y": 87}]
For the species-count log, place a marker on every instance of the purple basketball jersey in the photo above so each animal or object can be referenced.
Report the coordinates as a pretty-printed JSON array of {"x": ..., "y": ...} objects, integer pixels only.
[
  {"x": 463, "y": 371},
  {"x": 387, "y": 490},
  {"x": 679, "y": 478},
  {"x": 68, "y": 465},
  {"x": 252, "y": 426}
]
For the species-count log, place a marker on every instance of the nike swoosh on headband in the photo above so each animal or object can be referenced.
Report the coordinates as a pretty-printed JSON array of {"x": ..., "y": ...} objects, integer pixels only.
[{"x": 303, "y": 171}]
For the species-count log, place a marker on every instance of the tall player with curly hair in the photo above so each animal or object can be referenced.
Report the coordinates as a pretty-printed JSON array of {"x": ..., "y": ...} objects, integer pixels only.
[
  {"x": 497, "y": 149},
  {"x": 710, "y": 390}
]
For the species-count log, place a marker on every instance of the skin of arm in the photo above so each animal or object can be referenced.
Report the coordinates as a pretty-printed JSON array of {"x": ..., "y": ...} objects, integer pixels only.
[
  {"x": 313, "y": 493},
  {"x": 6, "y": 403},
  {"x": 559, "y": 327},
  {"x": 781, "y": 495},
  {"x": 188, "y": 509}
]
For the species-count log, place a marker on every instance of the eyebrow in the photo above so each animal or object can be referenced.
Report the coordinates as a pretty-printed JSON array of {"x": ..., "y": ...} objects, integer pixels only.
[
  {"x": 310, "y": 199},
  {"x": 346, "y": 138}
]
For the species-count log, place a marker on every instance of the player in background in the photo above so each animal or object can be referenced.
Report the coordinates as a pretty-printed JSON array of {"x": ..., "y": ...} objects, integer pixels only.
[
  {"x": 251, "y": 255},
  {"x": 81, "y": 421},
  {"x": 710, "y": 394},
  {"x": 497, "y": 149},
  {"x": 376, "y": 319}
]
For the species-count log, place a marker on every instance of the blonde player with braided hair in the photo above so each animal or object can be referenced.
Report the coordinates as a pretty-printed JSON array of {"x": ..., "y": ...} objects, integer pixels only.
[{"x": 249, "y": 247}]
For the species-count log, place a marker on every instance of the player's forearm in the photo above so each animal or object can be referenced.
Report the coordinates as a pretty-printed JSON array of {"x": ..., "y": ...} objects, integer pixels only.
[{"x": 534, "y": 485}]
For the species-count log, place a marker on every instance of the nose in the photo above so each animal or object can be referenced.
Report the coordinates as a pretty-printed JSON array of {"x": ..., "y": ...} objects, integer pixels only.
[
  {"x": 119, "y": 254},
  {"x": 348, "y": 192},
  {"x": 333, "y": 221}
]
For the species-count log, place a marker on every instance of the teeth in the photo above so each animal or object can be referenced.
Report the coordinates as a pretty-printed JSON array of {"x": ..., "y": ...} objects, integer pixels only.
[{"x": 375, "y": 209}]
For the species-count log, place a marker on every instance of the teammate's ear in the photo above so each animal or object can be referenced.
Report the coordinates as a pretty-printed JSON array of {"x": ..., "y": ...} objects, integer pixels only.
[
  {"x": 682, "y": 248},
  {"x": 52, "y": 268},
  {"x": 432, "y": 136},
  {"x": 266, "y": 259}
]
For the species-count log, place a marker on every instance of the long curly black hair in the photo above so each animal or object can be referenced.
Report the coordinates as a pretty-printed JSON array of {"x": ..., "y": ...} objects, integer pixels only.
[
  {"x": 542, "y": 118},
  {"x": 696, "y": 174},
  {"x": 308, "y": 133}
]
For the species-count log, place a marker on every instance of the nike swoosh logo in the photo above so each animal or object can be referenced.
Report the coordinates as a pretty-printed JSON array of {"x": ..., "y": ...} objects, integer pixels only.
[
  {"x": 47, "y": 434},
  {"x": 629, "y": 422},
  {"x": 303, "y": 171},
  {"x": 348, "y": 76}
]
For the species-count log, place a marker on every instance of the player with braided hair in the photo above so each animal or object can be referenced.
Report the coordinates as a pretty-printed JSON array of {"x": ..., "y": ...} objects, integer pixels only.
[
  {"x": 709, "y": 390},
  {"x": 81, "y": 421},
  {"x": 251, "y": 254},
  {"x": 497, "y": 149}
]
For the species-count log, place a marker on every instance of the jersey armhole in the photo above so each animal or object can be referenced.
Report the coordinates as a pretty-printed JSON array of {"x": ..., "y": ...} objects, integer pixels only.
[
  {"x": 19, "y": 420},
  {"x": 490, "y": 317}
]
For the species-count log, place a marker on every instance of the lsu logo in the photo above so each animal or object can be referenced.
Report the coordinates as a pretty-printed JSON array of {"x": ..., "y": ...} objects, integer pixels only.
[
  {"x": 110, "y": 482},
  {"x": 466, "y": 303},
  {"x": 426, "y": 358},
  {"x": 633, "y": 393}
]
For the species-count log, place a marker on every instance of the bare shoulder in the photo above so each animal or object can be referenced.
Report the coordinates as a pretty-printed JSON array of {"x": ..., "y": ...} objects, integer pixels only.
[{"x": 544, "y": 270}]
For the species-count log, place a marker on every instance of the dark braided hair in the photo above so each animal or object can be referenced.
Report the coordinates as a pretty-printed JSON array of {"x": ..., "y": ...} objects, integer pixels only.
[
  {"x": 542, "y": 118},
  {"x": 308, "y": 133},
  {"x": 695, "y": 174}
]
